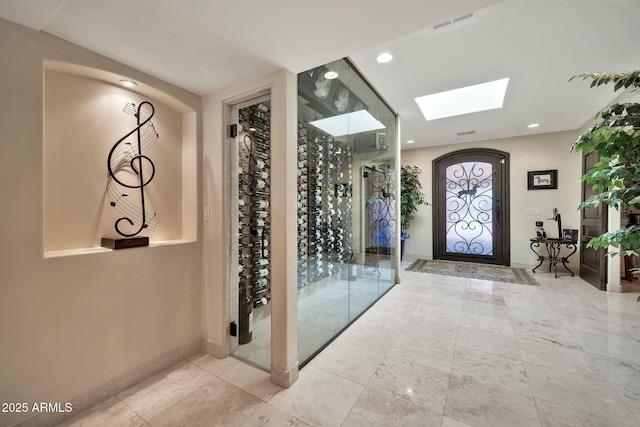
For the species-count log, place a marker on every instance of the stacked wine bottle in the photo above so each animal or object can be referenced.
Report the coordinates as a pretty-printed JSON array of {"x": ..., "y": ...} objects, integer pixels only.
[
  {"x": 324, "y": 205},
  {"x": 253, "y": 208}
]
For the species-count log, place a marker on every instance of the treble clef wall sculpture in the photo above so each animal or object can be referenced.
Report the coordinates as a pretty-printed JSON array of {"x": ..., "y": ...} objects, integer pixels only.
[{"x": 127, "y": 157}]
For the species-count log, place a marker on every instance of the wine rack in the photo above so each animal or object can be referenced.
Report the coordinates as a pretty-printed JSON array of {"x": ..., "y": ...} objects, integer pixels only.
[
  {"x": 254, "y": 219},
  {"x": 324, "y": 206}
]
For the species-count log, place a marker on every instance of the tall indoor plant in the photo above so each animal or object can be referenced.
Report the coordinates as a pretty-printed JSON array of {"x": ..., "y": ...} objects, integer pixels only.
[
  {"x": 411, "y": 197},
  {"x": 615, "y": 138}
]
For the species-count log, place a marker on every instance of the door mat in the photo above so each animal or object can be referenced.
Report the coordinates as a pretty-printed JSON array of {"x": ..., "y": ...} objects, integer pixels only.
[{"x": 469, "y": 270}]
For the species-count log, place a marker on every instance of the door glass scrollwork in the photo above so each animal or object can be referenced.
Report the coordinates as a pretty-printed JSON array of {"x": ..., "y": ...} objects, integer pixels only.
[
  {"x": 381, "y": 206},
  {"x": 469, "y": 208}
]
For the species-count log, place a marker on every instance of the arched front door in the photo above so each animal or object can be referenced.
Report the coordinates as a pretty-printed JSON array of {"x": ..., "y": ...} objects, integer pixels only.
[{"x": 471, "y": 206}]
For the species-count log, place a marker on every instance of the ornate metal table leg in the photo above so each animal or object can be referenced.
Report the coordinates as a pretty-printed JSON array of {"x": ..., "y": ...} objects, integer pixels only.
[
  {"x": 540, "y": 257},
  {"x": 565, "y": 259},
  {"x": 552, "y": 257}
]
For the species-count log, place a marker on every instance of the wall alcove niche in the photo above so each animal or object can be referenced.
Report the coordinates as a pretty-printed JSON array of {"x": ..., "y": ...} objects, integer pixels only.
[{"x": 83, "y": 119}]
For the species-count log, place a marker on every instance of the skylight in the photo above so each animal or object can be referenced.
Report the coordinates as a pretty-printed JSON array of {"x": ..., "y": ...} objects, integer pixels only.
[
  {"x": 465, "y": 100},
  {"x": 350, "y": 123}
]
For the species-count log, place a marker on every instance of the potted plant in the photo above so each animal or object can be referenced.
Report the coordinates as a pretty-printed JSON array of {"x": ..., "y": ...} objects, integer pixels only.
[
  {"x": 411, "y": 197},
  {"x": 615, "y": 138}
]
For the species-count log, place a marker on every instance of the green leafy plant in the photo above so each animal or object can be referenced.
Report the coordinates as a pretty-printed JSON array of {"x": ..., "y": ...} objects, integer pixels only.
[
  {"x": 615, "y": 138},
  {"x": 411, "y": 196}
]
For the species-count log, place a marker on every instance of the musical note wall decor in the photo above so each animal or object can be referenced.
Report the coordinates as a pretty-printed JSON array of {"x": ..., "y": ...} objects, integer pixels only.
[{"x": 126, "y": 166}]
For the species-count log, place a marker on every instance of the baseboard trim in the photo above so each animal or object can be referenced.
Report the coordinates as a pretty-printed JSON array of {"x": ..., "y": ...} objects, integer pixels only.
[
  {"x": 219, "y": 351},
  {"x": 104, "y": 391},
  {"x": 284, "y": 379}
]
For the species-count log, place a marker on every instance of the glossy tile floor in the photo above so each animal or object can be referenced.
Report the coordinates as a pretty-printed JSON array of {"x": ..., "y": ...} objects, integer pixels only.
[
  {"x": 324, "y": 309},
  {"x": 434, "y": 351}
]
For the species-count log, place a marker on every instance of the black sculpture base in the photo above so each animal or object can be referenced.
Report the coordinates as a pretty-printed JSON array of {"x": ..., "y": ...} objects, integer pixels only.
[{"x": 124, "y": 242}]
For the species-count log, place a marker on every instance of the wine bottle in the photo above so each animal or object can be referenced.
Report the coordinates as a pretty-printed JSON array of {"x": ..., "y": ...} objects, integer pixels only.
[
  {"x": 263, "y": 272},
  {"x": 261, "y": 261},
  {"x": 261, "y": 204},
  {"x": 245, "y": 318}
]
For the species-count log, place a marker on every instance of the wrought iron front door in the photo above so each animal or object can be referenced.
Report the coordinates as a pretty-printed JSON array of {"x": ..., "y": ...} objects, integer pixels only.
[{"x": 471, "y": 206}]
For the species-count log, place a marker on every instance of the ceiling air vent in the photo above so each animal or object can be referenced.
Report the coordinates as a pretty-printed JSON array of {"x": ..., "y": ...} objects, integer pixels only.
[
  {"x": 451, "y": 24},
  {"x": 466, "y": 133},
  {"x": 444, "y": 24},
  {"x": 462, "y": 18}
]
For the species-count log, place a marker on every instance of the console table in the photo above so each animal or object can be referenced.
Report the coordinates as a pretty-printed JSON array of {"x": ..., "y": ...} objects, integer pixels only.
[{"x": 550, "y": 250}]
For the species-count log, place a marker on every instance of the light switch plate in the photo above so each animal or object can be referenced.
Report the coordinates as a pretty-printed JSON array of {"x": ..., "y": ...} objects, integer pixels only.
[{"x": 205, "y": 213}]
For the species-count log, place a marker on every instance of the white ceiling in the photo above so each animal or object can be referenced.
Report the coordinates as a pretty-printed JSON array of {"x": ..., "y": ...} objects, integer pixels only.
[
  {"x": 538, "y": 44},
  {"x": 205, "y": 45}
]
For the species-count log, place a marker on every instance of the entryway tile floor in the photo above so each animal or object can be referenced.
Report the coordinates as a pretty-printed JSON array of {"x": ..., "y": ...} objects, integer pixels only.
[{"x": 434, "y": 351}]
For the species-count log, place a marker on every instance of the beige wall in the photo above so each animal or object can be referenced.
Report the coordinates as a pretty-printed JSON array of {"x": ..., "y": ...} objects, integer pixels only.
[
  {"x": 68, "y": 324},
  {"x": 527, "y": 153}
]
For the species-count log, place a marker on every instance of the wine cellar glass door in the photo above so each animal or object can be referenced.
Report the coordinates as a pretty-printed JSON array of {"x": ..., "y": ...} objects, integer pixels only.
[{"x": 250, "y": 294}]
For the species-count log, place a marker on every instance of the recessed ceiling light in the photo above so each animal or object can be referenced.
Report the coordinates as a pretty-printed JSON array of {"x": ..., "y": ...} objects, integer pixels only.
[
  {"x": 533, "y": 125},
  {"x": 330, "y": 75},
  {"x": 128, "y": 83},
  {"x": 252, "y": 129},
  {"x": 384, "y": 57},
  {"x": 411, "y": 141},
  {"x": 465, "y": 100}
]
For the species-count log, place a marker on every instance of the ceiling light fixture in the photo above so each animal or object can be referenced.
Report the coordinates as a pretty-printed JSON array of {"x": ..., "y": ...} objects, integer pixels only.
[
  {"x": 411, "y": 141},
  {"x": 465, "y": 100},
  {"x": 128, "y": 83},
  {"x": 385, "y": 57},
  {"x": 330, "y": 75},
  {"x": 533, "y": 125}
]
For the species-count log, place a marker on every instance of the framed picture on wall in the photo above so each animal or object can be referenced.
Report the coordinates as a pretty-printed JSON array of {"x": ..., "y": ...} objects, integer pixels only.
[
  {"x": 570, "y": 234},
  {"x": 542, "y": 180}
]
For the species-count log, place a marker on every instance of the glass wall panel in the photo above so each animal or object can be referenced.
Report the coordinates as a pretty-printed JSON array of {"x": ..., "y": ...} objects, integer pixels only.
[{"x": 346, "y": 202}]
